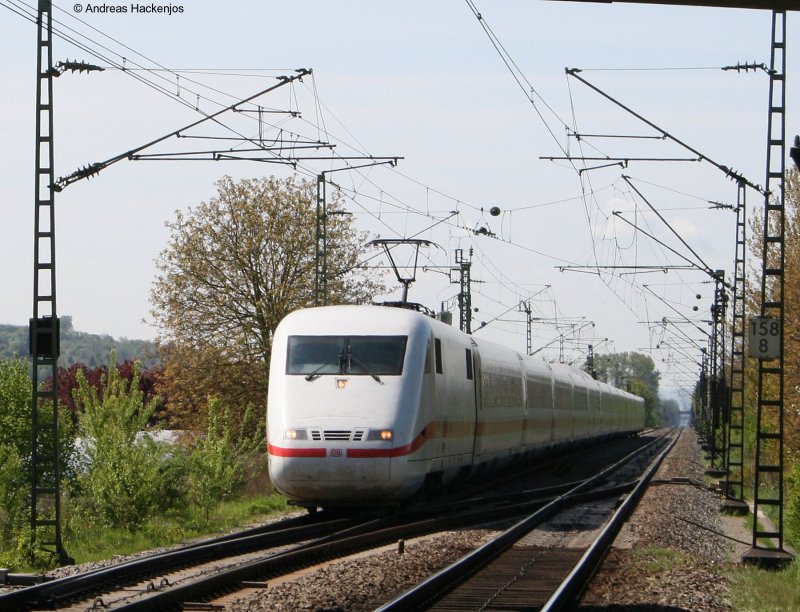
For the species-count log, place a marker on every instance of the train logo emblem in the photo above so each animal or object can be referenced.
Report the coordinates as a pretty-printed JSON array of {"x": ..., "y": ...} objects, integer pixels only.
[{"x": 336, "y": 452}]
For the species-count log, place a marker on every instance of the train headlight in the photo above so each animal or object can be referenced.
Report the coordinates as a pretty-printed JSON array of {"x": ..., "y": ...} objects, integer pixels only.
[
  {"x": 341, "y": 383},
  {"x": 380, "y": 434},
  {"x": 296, "y": 434}
]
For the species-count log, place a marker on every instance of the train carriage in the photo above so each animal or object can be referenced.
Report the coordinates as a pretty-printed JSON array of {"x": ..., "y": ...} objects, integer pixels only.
[{"x": 370, "y": 404}]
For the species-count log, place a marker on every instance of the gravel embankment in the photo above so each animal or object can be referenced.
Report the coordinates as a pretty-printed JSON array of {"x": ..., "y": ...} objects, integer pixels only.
[{"x": 364, "y": 583}]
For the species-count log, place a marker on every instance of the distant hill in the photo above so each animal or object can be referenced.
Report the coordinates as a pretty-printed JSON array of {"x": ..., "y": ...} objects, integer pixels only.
[{"x": 78, "y": 347}]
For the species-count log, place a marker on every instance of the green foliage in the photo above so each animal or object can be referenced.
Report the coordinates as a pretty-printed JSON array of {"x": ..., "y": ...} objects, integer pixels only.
[
  {"x": 756, "y": 590},
  {"x": 15, "y": 460},
  {"x": 790, "y": 296},
  {"x": 620, "y": 368},
  {"x": 670, "y": 410},
  {"x": 41, "y": 558},
  {"x": 126, "y": 491},
  {"x": 792, "y": 518},
  {"x": 128, "y": 479},
  {"x": 233, "y": 268},
  {"x": 637, "y": 387},
  {"x": 13, "y": 495},
  {"x": 122, "y": 480},
  {"x": 635, "y": 372},
  {"x": 15, "y": 406},
  {"x": 216, "y": 464},
  {"x": 119, "y": 413}
]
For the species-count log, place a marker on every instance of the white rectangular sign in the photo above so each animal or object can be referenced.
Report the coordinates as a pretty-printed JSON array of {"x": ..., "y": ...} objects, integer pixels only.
[{"x": 764, "y": 337}]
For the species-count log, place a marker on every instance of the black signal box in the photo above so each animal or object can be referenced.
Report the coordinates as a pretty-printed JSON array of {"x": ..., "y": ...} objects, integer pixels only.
[{"x": 43, "y": 337}]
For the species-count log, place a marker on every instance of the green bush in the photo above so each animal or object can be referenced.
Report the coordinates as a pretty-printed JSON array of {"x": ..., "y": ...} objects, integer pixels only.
[
  {"x": 792, "y": 518},
  {"x": 217, "y": 462},
  {"x": 13, "y": 495},
  {"x": 124, "y": 490},
  {"x": 15, "y": 448},
  {"x": 15, "y": 462},
  {"x": 123, "y": 478},
  {"x": 15, "y": 406},
  {"x": 15, "y": 416}
]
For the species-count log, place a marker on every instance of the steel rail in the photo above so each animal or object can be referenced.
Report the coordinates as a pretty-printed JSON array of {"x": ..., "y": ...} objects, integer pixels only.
[
  {"x": 421, "y": 596},
  {"x": 337, "y": 546},
  {"x": 574, "y": 584},
  {"x": 361, "y": 537},
  {"x": 349, "y": 536},
  {"x": 60, "y": 590}
]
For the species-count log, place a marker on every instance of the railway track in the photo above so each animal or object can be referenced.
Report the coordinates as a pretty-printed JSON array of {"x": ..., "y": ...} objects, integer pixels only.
[
  {"x": 177, "y": 580},
  {"x": 150, "y": 573},
  {"x": 511, "y": 573}
]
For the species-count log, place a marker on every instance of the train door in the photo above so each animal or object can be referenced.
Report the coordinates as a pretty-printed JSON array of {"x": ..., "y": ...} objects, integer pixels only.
[
  {"x": 477, "y": 394},
  {"x": 438, "y": 414},
  {"x": 524, "y": 414}
]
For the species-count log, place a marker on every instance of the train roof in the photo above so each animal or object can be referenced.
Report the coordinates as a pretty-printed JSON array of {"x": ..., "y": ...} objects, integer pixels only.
[
  {"x": 348, "y": 317},
  {"x": 378, "y": 319}
]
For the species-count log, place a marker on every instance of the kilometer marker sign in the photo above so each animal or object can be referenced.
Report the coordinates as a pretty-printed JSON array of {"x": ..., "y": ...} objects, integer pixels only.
[{"x": 764, "y": 337}]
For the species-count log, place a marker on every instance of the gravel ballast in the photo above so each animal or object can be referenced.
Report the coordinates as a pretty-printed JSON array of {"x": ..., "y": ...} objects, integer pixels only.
[{"x": 669, "y": 554}]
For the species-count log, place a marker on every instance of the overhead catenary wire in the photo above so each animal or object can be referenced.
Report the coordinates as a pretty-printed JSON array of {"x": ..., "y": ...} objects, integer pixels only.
[
  {"x": 102, "y": 51},
  {"x": 163, "y": 89},
  {"x": 516, "y": 72},
  {"x": 574, "y": 73},
  {"x": 461, "y": 223}
]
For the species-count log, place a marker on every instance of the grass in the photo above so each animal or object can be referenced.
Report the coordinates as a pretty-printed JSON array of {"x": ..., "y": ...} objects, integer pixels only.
[
  {"x": 759, "y": 590},
  {"x": 87, "y": 541},
  {"x": 756, "y": 590},
  {"x": 753, "y": 589},
  {"x": 93, "y": 543},
  {"x": 654, "y": 559}
]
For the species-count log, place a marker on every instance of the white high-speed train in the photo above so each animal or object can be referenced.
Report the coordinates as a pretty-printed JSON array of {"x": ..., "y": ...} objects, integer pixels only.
[{"x": 370, "y": 404}]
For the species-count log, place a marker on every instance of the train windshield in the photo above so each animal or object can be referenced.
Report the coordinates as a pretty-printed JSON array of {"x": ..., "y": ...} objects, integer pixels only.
[{"x": 353, "y": 355}]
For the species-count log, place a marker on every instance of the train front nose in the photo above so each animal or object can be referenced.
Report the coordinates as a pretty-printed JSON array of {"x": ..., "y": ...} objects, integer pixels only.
[
  {"x": 331, "y": 478},
  {"x": 332, "y": 466}
]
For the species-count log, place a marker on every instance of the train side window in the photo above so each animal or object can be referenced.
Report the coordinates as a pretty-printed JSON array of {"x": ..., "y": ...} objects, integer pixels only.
[
  {"x": 438, "y": 350},
  {"x": 469, "y": 364},
  {"x": 428, "y": 358}
]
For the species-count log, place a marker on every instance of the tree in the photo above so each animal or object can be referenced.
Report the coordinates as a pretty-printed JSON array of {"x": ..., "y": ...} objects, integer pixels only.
[
  {"x": 68, "y": 379},
  {"x": 233, "y": 268},
  {"x": 15, "y": 416},
  {"x": 670, "y": 411},
  {"x": 791, "y": 362},
  {"x": 15, "y": 406},
  {"x": 633, "y": 371},
  {"x": 15, "y": 448},
  {"x": 619, "y": 369}
]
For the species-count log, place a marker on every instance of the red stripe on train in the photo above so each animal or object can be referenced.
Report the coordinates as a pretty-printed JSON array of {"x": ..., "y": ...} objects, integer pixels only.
[
  {"x": 406, "y": 449},
  {"x": 431, "y": 431},
  {"x": 279, "y": 451}
]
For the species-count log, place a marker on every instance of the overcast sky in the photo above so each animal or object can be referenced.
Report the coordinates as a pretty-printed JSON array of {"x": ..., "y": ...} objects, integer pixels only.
[{"x": 421, "y": 80}]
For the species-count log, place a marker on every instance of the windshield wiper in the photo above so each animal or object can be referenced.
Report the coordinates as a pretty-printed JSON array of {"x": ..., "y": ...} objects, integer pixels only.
[
  {"x": 315, "y": 374},
  {"x": 364, "y": 366}
]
